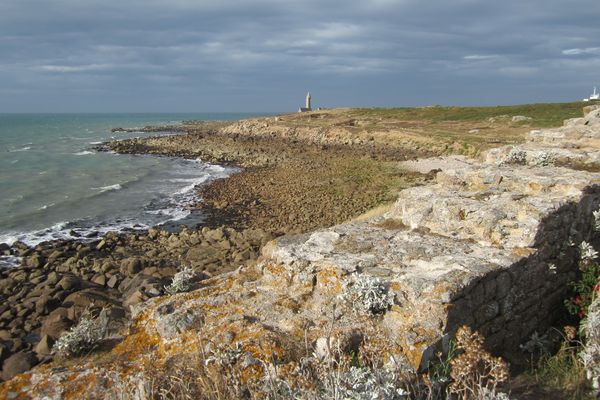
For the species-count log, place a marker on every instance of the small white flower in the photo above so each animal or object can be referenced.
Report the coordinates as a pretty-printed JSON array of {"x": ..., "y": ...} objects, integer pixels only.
[
  {"x": 552, "y": 268},
  {"x": 587, "y": 252}
]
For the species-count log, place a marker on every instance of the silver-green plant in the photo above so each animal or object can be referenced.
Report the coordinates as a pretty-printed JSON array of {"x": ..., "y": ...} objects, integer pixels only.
[
  {"x": 182, "y": 281},
  {"x": 515, "y": 156},
  {"x": 366, "y": 384},
  {"x": 587, "y": 252},
  {"x": 596, "y": 219},
  {"x": 83, "y": 337},
  {"x": 368, "y": 294},
  {"x": 543, "y": 159}
]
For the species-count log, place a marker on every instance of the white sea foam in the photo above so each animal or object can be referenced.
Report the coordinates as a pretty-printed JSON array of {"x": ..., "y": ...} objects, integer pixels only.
[
  {"x": 25, "y": 148},
  {"x": 174, "y": 204},
  {"x": 84, "y": 153},
  {"x": 103, "y": 189},
  {"x": 9, "y": 261},
  {"x": 96, "y": 142},
  {"x": 171, "y": 214},
  {"x": 45, "y": 206}
]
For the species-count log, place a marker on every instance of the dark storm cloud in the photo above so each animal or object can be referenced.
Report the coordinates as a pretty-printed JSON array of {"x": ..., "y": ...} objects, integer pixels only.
[{"x": 256, "y": 55}]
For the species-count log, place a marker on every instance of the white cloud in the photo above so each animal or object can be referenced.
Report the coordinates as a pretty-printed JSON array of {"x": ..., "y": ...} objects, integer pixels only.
[
  {"x": 73, "y": 68},
  {"x": 478, "y": 57},
  {"x": 577, "y": 51}
]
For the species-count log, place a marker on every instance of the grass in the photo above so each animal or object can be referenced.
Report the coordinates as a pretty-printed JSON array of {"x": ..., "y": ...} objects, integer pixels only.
[
  {"x": 557, "y": 376},
  {"x": 437, "y": 129},
  {"x": 543, "y": 115}
]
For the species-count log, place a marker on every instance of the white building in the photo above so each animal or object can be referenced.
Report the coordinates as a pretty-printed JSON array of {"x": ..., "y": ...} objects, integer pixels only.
[
  {"x": 307, "y": 105},
  {"x": 593, "y": 96}
]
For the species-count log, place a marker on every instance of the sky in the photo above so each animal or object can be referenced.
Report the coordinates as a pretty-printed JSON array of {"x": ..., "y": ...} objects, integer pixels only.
[{"x": 264, "y": 55}]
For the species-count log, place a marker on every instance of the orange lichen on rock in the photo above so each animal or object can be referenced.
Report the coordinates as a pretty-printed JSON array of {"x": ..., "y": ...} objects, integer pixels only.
[
  {"x": 78, "y": 385},
  {"x": 137, "y": 344},
  {"x": 330, "y": 279},
  {"x": 17, "y": 388}
]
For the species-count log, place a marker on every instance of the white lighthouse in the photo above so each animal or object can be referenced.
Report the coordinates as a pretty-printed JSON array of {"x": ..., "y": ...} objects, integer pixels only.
[{"x": 308, "y": 106}]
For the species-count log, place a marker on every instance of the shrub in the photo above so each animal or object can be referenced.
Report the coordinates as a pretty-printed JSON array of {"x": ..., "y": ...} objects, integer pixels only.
[
  {"x": 587, "y": 286},
  {"x": 515, "y": 156},
  {"x": 368, "y": 294},
  {"x": 182, "y": 281},
  {"x": 590, "y": 355},
  {"x": 475, "y": 372},
  {"x": 83, "y": 337},
  {"x": 366, "y": 384},
  {"x": 543, "y": 159}
]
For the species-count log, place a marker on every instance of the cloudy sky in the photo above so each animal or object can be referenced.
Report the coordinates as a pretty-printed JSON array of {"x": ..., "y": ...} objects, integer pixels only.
[{"x": 263, "y": 55}]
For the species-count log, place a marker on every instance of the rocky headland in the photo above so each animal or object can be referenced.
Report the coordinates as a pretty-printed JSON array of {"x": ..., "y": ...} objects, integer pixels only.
[{"x": 489, "y": 243}]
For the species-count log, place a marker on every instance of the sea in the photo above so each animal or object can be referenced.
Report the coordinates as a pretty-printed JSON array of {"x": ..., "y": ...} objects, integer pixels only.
[{"x": 53, "y": 185}]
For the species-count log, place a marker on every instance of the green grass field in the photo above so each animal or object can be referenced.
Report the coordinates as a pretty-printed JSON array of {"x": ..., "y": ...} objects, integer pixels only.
[{"x": 543, "y": 115}]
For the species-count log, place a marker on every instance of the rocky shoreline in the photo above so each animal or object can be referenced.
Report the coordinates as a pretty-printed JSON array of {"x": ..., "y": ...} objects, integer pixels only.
[
  {"x": 59, "y": 281},
  {"x": 284, "y": 187}
]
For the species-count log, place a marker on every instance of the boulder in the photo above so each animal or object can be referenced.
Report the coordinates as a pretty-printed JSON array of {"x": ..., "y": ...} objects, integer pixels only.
[
  {"x": 88, "y": 298},
  {"x": 70, "y": 282},
  {"x": 35, "y": 261},
  {"x": 131, "y": 266},
  {"x": 56, "y": 323},
  {"x": 99, "y": 279},
  {"x": 113, "y": 281},
  {"x": 44, "y": 346},
  {"x": 18, "y": 363}
]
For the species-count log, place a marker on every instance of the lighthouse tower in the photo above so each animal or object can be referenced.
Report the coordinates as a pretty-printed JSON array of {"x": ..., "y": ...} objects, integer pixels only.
[{"x": 308, "y": 104}]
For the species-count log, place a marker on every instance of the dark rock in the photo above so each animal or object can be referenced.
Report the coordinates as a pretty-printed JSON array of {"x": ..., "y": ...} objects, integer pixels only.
[
  {"x": 7, "y": 315},
  {"x": 69, "y": 282},
  {"x": 56, "y": 323},
  {"x": 131, "y": 266},
  {"x": 55, "y": 255},
  {"x": 45, "y": 304},
  {"x": 83, "y": 299},
  {"x": 3, "y": 352},
  {"x": 35, "y": 261},
  {"x": 18, "y": 363}
]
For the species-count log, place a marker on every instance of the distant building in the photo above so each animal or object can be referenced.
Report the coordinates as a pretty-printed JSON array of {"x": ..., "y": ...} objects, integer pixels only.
[
  {"x": 308, "y": 105},
  {"x": 594, "y": 96}
]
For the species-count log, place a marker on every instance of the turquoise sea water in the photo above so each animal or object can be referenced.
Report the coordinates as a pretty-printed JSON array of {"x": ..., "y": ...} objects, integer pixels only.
[{"x": 53, "y": 185}]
